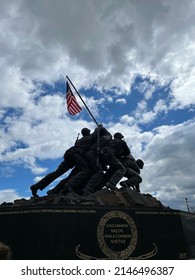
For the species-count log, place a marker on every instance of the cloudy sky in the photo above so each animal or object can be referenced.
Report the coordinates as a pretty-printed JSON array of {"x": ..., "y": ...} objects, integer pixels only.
[{"x": 133, "y": 61}]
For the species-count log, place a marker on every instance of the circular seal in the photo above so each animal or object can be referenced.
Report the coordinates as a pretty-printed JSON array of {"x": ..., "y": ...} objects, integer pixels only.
[{"x": 117, "y": 235}]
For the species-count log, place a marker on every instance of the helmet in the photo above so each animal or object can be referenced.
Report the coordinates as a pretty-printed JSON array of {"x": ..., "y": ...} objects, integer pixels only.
[
  {"x": 85, "y": 131},
  {"x": 140, "y": 163},
  {"x": 118, "y": 135}
]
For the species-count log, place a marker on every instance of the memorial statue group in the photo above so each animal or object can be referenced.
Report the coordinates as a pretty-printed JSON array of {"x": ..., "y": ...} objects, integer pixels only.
[{"x": 97, "y": 160}]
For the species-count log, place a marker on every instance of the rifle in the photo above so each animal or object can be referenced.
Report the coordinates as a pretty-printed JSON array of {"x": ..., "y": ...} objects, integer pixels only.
[{"x": 77, "y": 138}]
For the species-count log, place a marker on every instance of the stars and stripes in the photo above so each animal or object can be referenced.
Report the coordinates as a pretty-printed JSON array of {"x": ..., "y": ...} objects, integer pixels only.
[{"x": 72, "y": 104}]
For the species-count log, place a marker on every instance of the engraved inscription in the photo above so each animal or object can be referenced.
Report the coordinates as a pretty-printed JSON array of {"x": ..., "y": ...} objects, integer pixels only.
[{"x": 117, "y": 235}]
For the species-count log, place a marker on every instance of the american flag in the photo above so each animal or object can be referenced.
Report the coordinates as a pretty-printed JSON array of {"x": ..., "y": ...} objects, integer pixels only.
[{"x": 72, "y": 104}]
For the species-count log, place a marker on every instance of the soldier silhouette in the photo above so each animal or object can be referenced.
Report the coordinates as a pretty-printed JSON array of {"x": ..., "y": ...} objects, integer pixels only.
[
  {"x": 80, "y": 160},
  {"x": 116, "y": 148},
  {"x": 95, "y": 161},
  {"x": 71, "y": 158},
  {"x": 132, "y": 172}
]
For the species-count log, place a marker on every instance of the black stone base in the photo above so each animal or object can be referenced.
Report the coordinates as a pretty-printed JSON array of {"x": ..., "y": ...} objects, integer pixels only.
[{"x": 75, "y": 232}]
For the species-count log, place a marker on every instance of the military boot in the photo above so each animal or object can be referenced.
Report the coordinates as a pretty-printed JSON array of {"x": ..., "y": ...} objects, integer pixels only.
[
  {"x": 34, "y": 190},
  {"x": 137, "y": 188},
  {"x": 124, "y": 184},
  {"x": 111, "y": 186}
]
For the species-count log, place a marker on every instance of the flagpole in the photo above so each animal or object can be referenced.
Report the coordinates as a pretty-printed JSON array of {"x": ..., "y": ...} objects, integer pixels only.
[
  {"x": 98, "y": 133},
  {"x": 83, "y": 101},
  {"x": 187, "y": 204}
]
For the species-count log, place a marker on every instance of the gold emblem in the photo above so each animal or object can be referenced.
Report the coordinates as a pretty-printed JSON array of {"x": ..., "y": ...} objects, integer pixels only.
[
  {"x": 117, "y": 235},
  {"x": 117, "y": 238}
]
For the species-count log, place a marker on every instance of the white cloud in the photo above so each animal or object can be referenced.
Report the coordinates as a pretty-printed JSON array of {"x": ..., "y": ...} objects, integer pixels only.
[
  {"x": 127, "y": 119},
  {"x": 6, "y": 171},
  {"x": 41, "y": 131},
  {"x": 160, "y": 106},
  {"x": 121, "y": 100},
  {"x": 37, "y": 179},
  {"x": 15, "y": 89},
  {"x": 108, "y": 46},
  {"x": 143, "y": 115},
  {"x": 169, "y": 165},
  {"x": 169, "y": 162},
  {"x": 183, "y": 91},
  {"x": 8, "y": 195}
]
